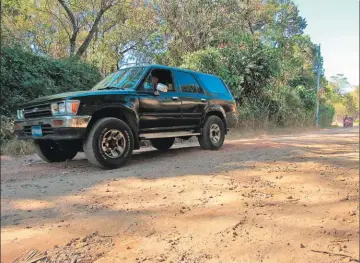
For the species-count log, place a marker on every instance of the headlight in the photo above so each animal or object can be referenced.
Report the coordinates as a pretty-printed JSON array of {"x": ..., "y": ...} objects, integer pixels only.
[
  {"x": 20, "y": 114},
  {"x": 58, "y": 108},
  {"x": 68, "y": 107}
]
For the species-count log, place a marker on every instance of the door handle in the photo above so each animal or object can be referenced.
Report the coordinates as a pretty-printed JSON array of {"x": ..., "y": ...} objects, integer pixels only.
[
  {"x": 175, "y": 98},
  {"x": 203, "y": 100}
]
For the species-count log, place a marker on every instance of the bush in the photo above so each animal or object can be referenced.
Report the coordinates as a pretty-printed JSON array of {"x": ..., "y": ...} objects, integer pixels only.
[
  {"x": 16, "y": 147},
  {"x": 6, "y": 129},
  {"x": 208, "y": 61},
  {"x": 290, "y": 109},
  {"x": 244, "y": 63},
  {"x": 326, "y": 114},
  {"x": 248, "y": 68},
  {"x": 9, "y": 144},
  {"x": 26, "y": 76}
]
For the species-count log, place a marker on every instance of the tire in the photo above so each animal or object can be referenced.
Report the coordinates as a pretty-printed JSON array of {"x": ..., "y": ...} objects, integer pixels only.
[
  {"x": 162, "y": 144},
  {"x": 55, "y": 151},
  {"x": 109, "y": 144},
  {"x": 213, "y": 124}
]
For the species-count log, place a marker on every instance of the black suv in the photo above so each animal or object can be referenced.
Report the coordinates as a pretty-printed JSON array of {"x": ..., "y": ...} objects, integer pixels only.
[{"x": 155, "y": 103}]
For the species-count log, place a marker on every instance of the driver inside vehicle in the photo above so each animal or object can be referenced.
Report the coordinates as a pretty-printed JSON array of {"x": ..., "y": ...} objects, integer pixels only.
[{"x": 159, "y": 86}]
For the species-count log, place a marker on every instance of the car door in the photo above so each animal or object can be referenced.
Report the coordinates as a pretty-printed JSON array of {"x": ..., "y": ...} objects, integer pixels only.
[
  {"x": 193, "y": 98},
  {"x": 159, "y": 112}
]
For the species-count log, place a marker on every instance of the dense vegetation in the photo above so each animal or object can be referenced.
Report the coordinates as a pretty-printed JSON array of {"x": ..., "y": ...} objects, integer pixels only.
[
  {"x": 25, "y": 76},
  {"x": 257, "y": 46}
]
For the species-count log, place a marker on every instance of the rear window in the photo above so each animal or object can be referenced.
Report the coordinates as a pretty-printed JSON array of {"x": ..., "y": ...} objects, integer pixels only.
[
  {"x": 212, "y": 83},
  {"x": 187, "y": 82}
]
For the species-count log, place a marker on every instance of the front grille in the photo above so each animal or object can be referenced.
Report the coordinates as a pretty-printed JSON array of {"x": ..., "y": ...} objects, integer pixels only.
[
  {"x": 39, "y": 111},
  {"x": 46, "y": 129}
]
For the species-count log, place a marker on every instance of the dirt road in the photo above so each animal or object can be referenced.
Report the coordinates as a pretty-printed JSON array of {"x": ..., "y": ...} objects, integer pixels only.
[{"x": 273, "y": 199}]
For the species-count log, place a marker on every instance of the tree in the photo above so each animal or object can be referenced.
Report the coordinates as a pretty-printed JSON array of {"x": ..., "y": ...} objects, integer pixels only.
[
  {"x": 257, "y": 46},
  {"x": 134, "y": 38},
  {"x": 344, "y": 103},
  {"x": 44, "y": 25},
  {"x": 102, "y": 32},
  {"x": 74, "y": 19},
  {"x": 244, "y": 63},
  {"x": 191, "y": 25},
  {"x": 342, "y": 84},
  {"x": 351, "y": 103}
]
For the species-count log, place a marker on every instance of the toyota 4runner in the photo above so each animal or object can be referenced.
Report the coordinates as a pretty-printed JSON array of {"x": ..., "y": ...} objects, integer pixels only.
[{"x": 107, "y": 123}]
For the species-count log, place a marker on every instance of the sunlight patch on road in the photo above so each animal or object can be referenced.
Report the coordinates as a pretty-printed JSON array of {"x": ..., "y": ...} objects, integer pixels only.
[{"x": 31, "y": 204}]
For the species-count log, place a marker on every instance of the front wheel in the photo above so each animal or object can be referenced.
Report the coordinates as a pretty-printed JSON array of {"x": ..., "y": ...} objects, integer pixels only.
[
  {"x": 109, "y": 144},
  {"x": 162, "y": 144},
  {"x": 56, "y": 151},
  {"x": 213, "y": 134}
]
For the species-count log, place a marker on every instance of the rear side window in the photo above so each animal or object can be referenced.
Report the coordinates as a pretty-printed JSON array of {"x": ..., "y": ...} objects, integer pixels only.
[
  {"x": 187, "y": 82},
  {"x": 212, "y": 83}
]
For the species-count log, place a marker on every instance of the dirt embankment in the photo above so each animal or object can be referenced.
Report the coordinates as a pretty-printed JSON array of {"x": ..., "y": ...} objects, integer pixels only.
[{"x": 273, "y": 199}]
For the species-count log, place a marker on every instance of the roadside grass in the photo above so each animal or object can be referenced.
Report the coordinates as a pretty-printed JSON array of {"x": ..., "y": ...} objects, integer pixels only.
[{"x": 15, "y": 147}]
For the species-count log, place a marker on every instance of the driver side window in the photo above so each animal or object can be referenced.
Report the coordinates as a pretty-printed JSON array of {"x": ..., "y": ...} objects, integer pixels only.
[
  {"x": 148, "y": 84},
  {"x": 162, "y": 78}
]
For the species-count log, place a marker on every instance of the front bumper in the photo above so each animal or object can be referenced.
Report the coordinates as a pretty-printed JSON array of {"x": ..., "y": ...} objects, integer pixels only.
[{"x": 54, "y": 128}]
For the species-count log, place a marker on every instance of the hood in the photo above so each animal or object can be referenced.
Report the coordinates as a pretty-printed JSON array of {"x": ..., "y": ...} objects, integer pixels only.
[{"x": 74, "y": 95}]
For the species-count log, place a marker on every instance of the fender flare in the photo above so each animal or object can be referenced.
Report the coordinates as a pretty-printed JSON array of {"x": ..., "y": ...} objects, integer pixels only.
[
  {"x": 121, "y": 111},
  {"x": 214, "y": 110}
]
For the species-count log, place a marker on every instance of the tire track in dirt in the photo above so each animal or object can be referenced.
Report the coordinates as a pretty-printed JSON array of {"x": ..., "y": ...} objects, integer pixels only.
[{"x": 273, "y": 199}]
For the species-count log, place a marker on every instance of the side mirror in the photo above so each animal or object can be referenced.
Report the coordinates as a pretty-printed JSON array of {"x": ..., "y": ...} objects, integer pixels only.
[{"x": 162, "y": 88}]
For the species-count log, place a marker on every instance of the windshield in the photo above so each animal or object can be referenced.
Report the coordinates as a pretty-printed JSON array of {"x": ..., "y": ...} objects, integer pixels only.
[{"x": 122, "y": 79}]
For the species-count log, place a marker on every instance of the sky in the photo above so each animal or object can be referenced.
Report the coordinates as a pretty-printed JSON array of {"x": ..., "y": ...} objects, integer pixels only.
[{"x": 334, "y": 24}]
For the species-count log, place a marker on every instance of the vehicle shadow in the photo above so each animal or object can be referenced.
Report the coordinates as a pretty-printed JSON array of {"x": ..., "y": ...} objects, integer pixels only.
[{"x": 56, "y": 182}]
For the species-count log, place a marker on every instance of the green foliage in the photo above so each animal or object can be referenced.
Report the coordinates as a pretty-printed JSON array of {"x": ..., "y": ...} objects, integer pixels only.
[
  {"x": 6, "y": 129},
  {"x": 9, "y": 144},
  {"x": 251, "y": 115},
  {"x": 326, "y": 114},
  {"x": 258, "y": 47},
  {"x": 208, "y": 60},
  {"x": 344, "y": 104},
  {"x": 307, "y": 96},
  {"x": 25, "y": 76},
  {"x": 248, "y": 68},
  {"x": 245, "y": 64},
  {"x": 351, "y": 105}
]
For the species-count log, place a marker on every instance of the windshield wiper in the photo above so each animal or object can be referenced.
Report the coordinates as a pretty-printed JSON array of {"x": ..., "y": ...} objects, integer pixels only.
[{"x": 111, "y": 87}]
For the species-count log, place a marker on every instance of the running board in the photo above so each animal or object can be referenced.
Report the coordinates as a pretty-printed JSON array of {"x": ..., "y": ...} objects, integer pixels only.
[{"x": 167, "y": 134}]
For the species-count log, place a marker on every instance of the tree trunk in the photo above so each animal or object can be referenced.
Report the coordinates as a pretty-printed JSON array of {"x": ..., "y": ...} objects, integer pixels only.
[
  {"x": 93, "y": 29},
  {"x": 74, "y": 25},
  {"x": 73, "y": 44}
]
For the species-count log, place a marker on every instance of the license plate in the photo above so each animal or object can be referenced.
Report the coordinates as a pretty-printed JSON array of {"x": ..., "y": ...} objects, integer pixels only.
[{"x": 36, "y": 131}]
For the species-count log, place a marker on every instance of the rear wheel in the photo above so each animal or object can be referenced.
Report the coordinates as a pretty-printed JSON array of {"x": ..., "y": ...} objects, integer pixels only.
[
  {"x": 56, "y": 151},
  {"x": 109, "y": 144},
  {"x": 213, "y": 134},
  {"x": 162, "y": 144}
]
